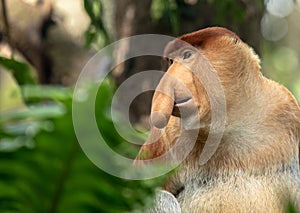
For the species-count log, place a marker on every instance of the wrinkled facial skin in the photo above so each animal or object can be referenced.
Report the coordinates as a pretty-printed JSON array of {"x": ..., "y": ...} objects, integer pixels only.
[
  {"x": 181, "y": 92},
  {"x": 204, "y": 68}
]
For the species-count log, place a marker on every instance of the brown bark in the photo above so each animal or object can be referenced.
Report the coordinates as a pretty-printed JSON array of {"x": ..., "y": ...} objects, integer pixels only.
[
  {"x": 24, "y": 29},
  {"x": 55, "y": 52}
]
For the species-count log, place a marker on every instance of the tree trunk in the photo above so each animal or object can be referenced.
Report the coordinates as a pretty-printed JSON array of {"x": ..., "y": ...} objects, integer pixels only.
[
  {"x": 24, "y": 27},
  {"x": 56, "y": 52}
]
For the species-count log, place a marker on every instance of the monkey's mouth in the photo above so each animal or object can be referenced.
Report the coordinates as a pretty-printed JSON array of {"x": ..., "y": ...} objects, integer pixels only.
[
  {"x": 179, "y": 104},
  {"x": 182, "y": 101}
]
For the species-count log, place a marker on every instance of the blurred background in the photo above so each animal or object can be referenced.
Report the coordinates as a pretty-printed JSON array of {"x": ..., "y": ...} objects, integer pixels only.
[{"x": 45, "y": 44}]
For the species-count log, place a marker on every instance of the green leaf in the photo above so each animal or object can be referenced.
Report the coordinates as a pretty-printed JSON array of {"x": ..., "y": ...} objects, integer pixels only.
[
  {"x": 54, "y": 175},
  {"x": 35, "y": 112},
  {"x": 39, "y": 93},
  {"x": 228, "y": 9},
  {"x": 291, "y": 208},
  {"x": 166, "y": 9},
  {"x": 96, "y": 33},
  {"x": 157, "y": 9},
  {"x": 21, "y": 71},
  {"x": 10, "y": 92}
]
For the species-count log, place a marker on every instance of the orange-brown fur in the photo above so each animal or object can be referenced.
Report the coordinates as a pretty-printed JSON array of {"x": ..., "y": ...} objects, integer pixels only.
[{"x": 256, "y": 165}]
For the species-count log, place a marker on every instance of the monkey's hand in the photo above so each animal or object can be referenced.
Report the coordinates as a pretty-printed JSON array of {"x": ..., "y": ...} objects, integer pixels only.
[{"x": 165, "y": 202}]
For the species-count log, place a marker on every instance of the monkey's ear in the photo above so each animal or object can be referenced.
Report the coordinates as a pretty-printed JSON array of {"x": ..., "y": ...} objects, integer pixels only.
[{"x": 234, "y": 39}]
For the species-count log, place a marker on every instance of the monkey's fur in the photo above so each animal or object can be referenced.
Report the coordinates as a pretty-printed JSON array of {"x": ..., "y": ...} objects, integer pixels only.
[
  {"x": 165, "y": 202},
  {"x": 256, "y": 166}
]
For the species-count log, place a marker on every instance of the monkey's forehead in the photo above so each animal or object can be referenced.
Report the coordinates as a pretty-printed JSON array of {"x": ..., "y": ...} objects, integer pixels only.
[{"x": 198, "y": 38}]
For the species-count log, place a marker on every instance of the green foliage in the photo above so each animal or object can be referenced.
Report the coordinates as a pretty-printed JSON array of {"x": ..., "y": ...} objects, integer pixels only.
[
  {"x": 10, "y": 92},
  {"x": 171, "y": 11},
  {"x": 96, "y": 33},
  {"x": 21, "y": 71},
  {"x": 228, "y": 9},
  {"x": 291, "y": 208},
  {"x": 281, "y": 64},
  {"x": 231, "y": 9},
  {"x": 43, "y": 169},
  {"x": 167, "y": 10}
]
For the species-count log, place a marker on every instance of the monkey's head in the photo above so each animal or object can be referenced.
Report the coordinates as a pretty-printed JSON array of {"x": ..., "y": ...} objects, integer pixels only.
[{"x": 204, "y": 66}]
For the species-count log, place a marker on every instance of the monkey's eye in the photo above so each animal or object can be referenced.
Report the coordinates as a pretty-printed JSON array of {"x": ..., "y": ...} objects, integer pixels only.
[{"x": 187, "y": 54}]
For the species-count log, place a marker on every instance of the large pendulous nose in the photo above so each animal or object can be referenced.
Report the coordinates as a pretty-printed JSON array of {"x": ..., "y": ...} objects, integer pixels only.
[
  {"x": 162, "y": 102},
  {"x": 162, "y": 107}
]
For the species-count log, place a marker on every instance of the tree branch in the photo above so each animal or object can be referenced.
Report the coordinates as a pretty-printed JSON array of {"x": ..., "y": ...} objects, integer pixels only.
[{"x": 5, "y": 19}]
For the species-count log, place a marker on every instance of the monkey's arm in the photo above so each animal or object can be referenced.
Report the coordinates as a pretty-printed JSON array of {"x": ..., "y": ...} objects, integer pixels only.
[
  {"x": 160, "y": 140},
  {"x": 153, "y": 147}
]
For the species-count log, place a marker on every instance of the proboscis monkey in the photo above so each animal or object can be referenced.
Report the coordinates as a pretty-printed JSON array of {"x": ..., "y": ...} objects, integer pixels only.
[{"x": 254, "y": 167}]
